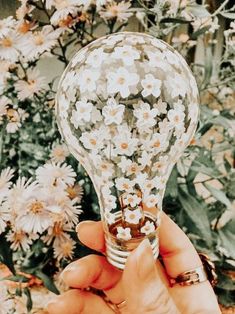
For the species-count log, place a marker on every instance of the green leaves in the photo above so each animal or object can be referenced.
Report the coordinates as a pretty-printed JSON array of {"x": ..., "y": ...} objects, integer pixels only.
[
  {"x": 196, "y": 212},
  {"x": 6, "y": 254},
  {"x": 47, "y": 281},
  {"x": 219, "y": 195}
]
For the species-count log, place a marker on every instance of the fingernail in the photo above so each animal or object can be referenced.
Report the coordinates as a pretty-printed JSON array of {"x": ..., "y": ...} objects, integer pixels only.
[
  {"x": 83, "y": 224},
  {"x": 69, "y": 269},
  {"x": 145, "y": 259}
]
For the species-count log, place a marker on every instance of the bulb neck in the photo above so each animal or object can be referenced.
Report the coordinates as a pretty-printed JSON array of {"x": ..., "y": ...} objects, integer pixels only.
[{"x": 118, "y": 251}]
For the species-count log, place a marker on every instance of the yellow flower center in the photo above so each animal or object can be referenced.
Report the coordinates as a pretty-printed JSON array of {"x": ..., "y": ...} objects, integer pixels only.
[
  {"x": 93, "y": 141},
  {"x": 124, "y": 145},
  {"x": 67, "y": 248},
  {"x": 146, "y": 115},
  {"x": 121, "y": 80},
  {"x": 36, "y": 207},
  {"x": 7, "y": 42},
  {"x": 57, "y": 229},
  {"x": 113, "y": 112},
  {"x": 38, "y": 39},
  {"x": 156, "y": 144}
]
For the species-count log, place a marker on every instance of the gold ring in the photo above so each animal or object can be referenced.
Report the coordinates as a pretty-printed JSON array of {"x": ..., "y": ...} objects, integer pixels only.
[
  {"x": 115, "y": 307},
  {"x": 198, "y": 275}
]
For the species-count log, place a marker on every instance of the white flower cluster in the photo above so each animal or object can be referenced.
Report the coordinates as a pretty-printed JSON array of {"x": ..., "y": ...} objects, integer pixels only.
[
  {"x": 127, "y": 106},
  {"x": 43, "y": 207}
]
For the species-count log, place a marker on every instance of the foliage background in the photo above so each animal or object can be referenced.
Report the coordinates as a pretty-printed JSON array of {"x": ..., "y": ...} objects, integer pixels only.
[{"x": 200, "y": 194}]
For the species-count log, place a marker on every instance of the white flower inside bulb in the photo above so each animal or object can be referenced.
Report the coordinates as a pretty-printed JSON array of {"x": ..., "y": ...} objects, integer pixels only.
[{"x": 127, "y": 106}]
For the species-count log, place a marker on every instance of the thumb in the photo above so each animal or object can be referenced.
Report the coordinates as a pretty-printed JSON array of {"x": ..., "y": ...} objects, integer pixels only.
[{"x": 144, "y": 290}]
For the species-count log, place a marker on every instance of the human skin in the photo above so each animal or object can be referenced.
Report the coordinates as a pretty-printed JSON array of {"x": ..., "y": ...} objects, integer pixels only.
[{"x": 144, "y": 283}]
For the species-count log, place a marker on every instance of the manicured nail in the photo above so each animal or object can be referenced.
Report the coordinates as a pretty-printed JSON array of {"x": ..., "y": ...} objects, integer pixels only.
[
  {"x": 145, "y": 260},
  {"x": 83, "y": 224}
]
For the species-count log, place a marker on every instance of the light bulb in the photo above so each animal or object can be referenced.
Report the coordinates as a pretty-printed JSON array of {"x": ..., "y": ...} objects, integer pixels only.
[{"x": 127, "y": 107}]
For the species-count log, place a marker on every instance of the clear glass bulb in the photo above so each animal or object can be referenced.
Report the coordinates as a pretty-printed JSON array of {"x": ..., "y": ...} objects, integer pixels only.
[{"x": 127, "y": 106}]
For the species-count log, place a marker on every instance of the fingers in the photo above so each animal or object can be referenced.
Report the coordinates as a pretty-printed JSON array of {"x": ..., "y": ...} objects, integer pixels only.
[
  {"x": 77, "y": 301},
  {"x": 91, "y": 271},
  {"x": 143, "y": 288},
  {"x": 91, "y": 234},
  {"x": 176, "y": 249},
  {"x": 178, "y": 253}
]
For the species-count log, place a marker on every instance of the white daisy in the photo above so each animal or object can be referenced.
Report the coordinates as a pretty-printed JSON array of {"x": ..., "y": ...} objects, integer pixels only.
[
  {"x": 57, "y": 232},
  {"x": 148, "y": 228},
  {"x": 123, "y": 184},
  {"x": 176, "y": 85},
  {"x": 176, "y": 118},
  {"x": 124, "y": 233},
  {"x": 59, "y": 153},
  {"x": 145, "y": 159},
  {"x": 127, "y": 54},
  {"x": 15, "y": 117},
  {"x": 161, "y": 106},
  {"x": 165, "y": 126},
  {"x": 113, "y": 112},
  {"x": 65, "y": 8},
  {"x": 147, "y": 186},
  {"x": 145, "y": 116},
  {"x": 151, "y": 200},
  {"x": 141, "y": 178},
  {"x": 33, "y": 85},
  {"x": 156, "y": 60},
  {"x": 64, "y": 208},
  {"x": 4, "y": 71},
  {"x": 34, "y": 216},
  {"x": 64, "y": 248},
  {"x": 53, "y": 174},
  {"x": 131, "y": 199},
  {"x": 124, "y": 163},
  {"x": 92, "y": 140},
  {"x": 109, "y": 217},
  {"x": 106, "y": 168},
  {"x": 6, "y": 25},
  {"x": 161, "y": 165},
  {"x": 159, "y": 182},
  {"x": 38, "y": 42},
  {"x": 9, "y": 47},
  {"x": 20, "y": 239},
  {"x": 133, "y": 168},
  {"x": 113, "y": 10},
  {"x": 159, "y": 142},
  {"x": 82, "y": 114},
  {"x": 5, "y": 177},
  {"x": 120, "y": 81},
  {"x": 87, "y": 79},
  {"x": 133, "y": 216},
  {"x": 151, "y": 85},
  {"x": 171, "y": 57},
  {"x": 125, "y": 144},
  {"x": 110, "y": 202},
  {"x": 96, "y": 57},
  {"x": 96, "y": 116}
]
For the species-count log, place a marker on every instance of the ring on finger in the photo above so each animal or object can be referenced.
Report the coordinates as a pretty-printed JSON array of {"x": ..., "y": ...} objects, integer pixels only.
[{"x": 198, "y": 275}]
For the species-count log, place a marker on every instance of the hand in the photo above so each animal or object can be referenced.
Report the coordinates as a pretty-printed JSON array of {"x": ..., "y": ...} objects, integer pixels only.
[{"x": 143, "y": 283}]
